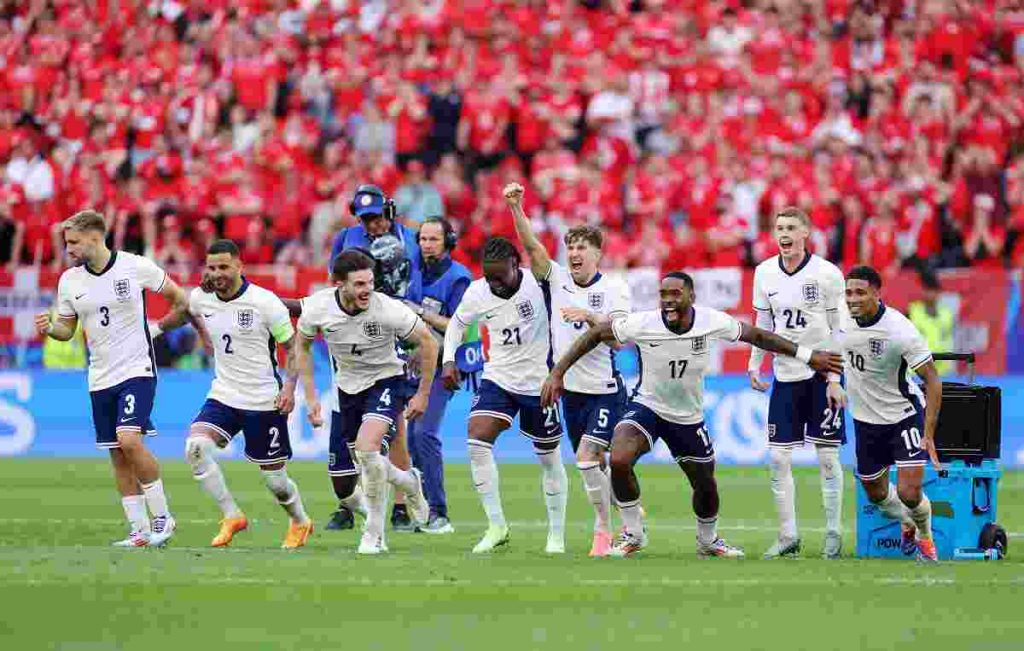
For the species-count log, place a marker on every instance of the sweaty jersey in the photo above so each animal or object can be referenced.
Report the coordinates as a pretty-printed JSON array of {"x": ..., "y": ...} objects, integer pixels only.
[
  {"x": 800, "y": 304},
  {"x": 673, "y": 365},
  {"x": 879, "y": 356},
  {"x": 595, "y": 372},
  {"x": 363, "y": 346},
  {"x": 514, "y": 331},
  {"x": 245, "y": 330},
  {"x": 111, "y": 306}
]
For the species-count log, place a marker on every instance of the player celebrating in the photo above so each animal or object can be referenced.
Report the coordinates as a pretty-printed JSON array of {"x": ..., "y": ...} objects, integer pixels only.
[
  {"x": 360, "y": 327},
  {"x": 881, "y": 346},
  {"x": 667, "y": 402},
  {"x": 244, "y": 321},
  {"x": 594, "y": 395},
  {"x": 106, "y": 290},
  {"x": 799, "y": 296},
  {"x": 510, "y": 306}
]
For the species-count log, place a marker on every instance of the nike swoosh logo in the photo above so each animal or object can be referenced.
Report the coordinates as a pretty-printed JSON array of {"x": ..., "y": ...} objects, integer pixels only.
[
  {"x": 127, "y": 420},
  {"x": 915, "y": 454},
  {"x": 207, "y": 315},
  {"x": 770, "y": 294},
  {"x": 566, "y": 288},
  {"x": 334, "y": 330},
  {"x": 80, "y": 296},
  {"x": 653, "y": 345},
  {"x": 490, "y": 316}
]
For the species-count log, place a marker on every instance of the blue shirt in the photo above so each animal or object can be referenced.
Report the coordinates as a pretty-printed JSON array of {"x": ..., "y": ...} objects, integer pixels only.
[{"x": 356, "y": 236}]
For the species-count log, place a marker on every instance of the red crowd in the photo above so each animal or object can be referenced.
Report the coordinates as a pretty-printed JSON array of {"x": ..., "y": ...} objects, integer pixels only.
[{"x": 678, "y": 125}]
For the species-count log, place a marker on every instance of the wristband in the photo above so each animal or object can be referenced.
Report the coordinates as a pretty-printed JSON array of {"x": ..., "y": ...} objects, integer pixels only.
[
  {"x": 835, "y": 378},
  {"x": 155, "y": 330},
  {"x": 803, "y": 353}
]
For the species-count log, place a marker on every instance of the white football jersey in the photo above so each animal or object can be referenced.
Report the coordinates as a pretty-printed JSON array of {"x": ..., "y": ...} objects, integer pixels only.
[
  {"x": 595, "y": 372},
  {"x": 111, "y": 307},
  {"x": 363, "y": 346},
  {"x": 672, "y": 366},
  {"x": 799, "y": 304},
  {"x": 245, "y": 331},
  {"x": 514, "y": 333},
  {"x": 878, "y": 359}
]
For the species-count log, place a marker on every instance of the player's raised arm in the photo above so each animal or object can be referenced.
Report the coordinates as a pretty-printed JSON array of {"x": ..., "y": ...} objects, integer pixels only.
[
  {"x": 552, "y": 389},
  {"x": 426, "y": 348},
  {"x": 819, "y": 360},
  {"x": 540, "y": 261},
  {"x": 933, "y": 401}
]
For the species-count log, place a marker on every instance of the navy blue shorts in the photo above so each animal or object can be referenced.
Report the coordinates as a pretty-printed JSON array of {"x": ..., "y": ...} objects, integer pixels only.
[
  {"x": 590, "y": 417},
  {"x": 125, "y": 407},
  {"x": 537, "y": 424},
  {"x": 689, "y": 443},
  {"x": 384, "y": 401},
  {"x": 266, "y": 432},
  {"x": 799, "y": 411},
  {"x": 880, "y": 446}
]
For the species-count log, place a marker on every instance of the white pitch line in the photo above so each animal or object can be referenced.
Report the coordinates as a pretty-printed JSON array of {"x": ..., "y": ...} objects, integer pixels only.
[{"x": 664, "y": 582}]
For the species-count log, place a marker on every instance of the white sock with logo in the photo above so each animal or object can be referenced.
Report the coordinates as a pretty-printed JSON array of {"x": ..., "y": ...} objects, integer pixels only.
[
  {"x": 135, "y": 511},
  {"x": 554, "y": 482},
  {"x": 374, "y": 478},
  {"x": 155, "y": 498},
  {"x": 200, "y": 451},
  {"x": 784, "y": 491},
  {"x": 831, "y": 487},
  {"x": 599, "y": 491},
  {"x": 485, "y": 479}
]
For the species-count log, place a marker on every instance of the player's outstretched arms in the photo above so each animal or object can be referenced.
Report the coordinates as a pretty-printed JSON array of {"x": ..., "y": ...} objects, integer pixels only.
[
  {"x": 540, "y": 261},
  {"x": 426, "y": 349},
  {"x": 933, "y": 401},
  {"x": 285, "y": 401},
  {"x": 62, "y": 328},
  {"x": 819, "y": 360},
  {"x": 553, "y": 387},
  {"x": 304, "y": 363}
]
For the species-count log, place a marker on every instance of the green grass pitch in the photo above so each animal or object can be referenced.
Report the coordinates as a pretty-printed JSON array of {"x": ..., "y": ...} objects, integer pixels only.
[{"x": 62, "y": 587}]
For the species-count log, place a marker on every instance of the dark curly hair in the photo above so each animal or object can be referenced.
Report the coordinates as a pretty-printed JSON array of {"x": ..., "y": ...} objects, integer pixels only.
[{"x": 500, "y": 248}]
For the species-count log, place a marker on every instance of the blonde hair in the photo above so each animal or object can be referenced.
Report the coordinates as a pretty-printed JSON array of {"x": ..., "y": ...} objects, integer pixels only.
[
  {"x": 795, "y": 213},
  {"x": 86, "y": 220}
]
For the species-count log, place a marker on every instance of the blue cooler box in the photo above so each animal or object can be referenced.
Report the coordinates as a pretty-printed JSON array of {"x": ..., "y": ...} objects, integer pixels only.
[{"x": 963, "y": 501}]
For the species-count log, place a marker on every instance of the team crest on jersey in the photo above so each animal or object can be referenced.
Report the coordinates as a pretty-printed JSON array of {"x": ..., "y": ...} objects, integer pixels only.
[
  {"x": 876, "y": 347},
  {"x": 700, "y": 344},
  {"x": 371, "y": 329},
  {"x": 810, "y": 293},
  {"x": 245, "y": 319},
  {"x": 771, "y": 430},
  {"x": 525, "y": 310},
  {"x": 122, "y": 289},
  {"x": 595, "y": 301}
]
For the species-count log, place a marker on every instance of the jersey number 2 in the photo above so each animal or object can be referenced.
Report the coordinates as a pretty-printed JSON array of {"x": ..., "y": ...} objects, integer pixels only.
[
  {"x": 227, "y": 344},
  {"x": 275, "y": 434}
]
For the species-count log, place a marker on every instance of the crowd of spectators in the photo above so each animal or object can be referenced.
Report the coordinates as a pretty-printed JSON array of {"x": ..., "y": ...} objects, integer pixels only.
[{"x": 678, "y": 125}]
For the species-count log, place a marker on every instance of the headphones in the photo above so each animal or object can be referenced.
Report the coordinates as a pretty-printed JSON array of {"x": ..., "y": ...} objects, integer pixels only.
[
  {"x": 388, "y": 208},
  {"x": 450, "y": 238}
]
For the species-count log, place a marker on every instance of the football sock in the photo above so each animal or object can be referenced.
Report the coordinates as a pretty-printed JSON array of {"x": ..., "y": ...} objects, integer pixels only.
[
  {"x": 831, "y": 486},
  {"x": 632, "y": 519},
  {"x": 199, "y": 451},
  {"x": 356, "y": 502},
  {"x": 135, "y": 510},
  {"x": 893, "y": 508},
  {"x": 485, "y": 479},
  {"x": 608, "y": 473},
  {"x": 783, "y": 490},
  {"x": 403, "y": 480},
  {"x": 155, "y": 498},
  {"x": 707, "y": 530},
  {"x": 599, "y": 491},
  {"x": 374, "y": 476},
  {"x": 287, "y": 494},
  {"x": 555, "y": 483},
  {"x": 922, "y": 515}
]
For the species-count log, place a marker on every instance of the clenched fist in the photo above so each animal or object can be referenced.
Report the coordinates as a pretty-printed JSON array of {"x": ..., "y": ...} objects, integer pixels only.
[{"x": 513, "y": 194}]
